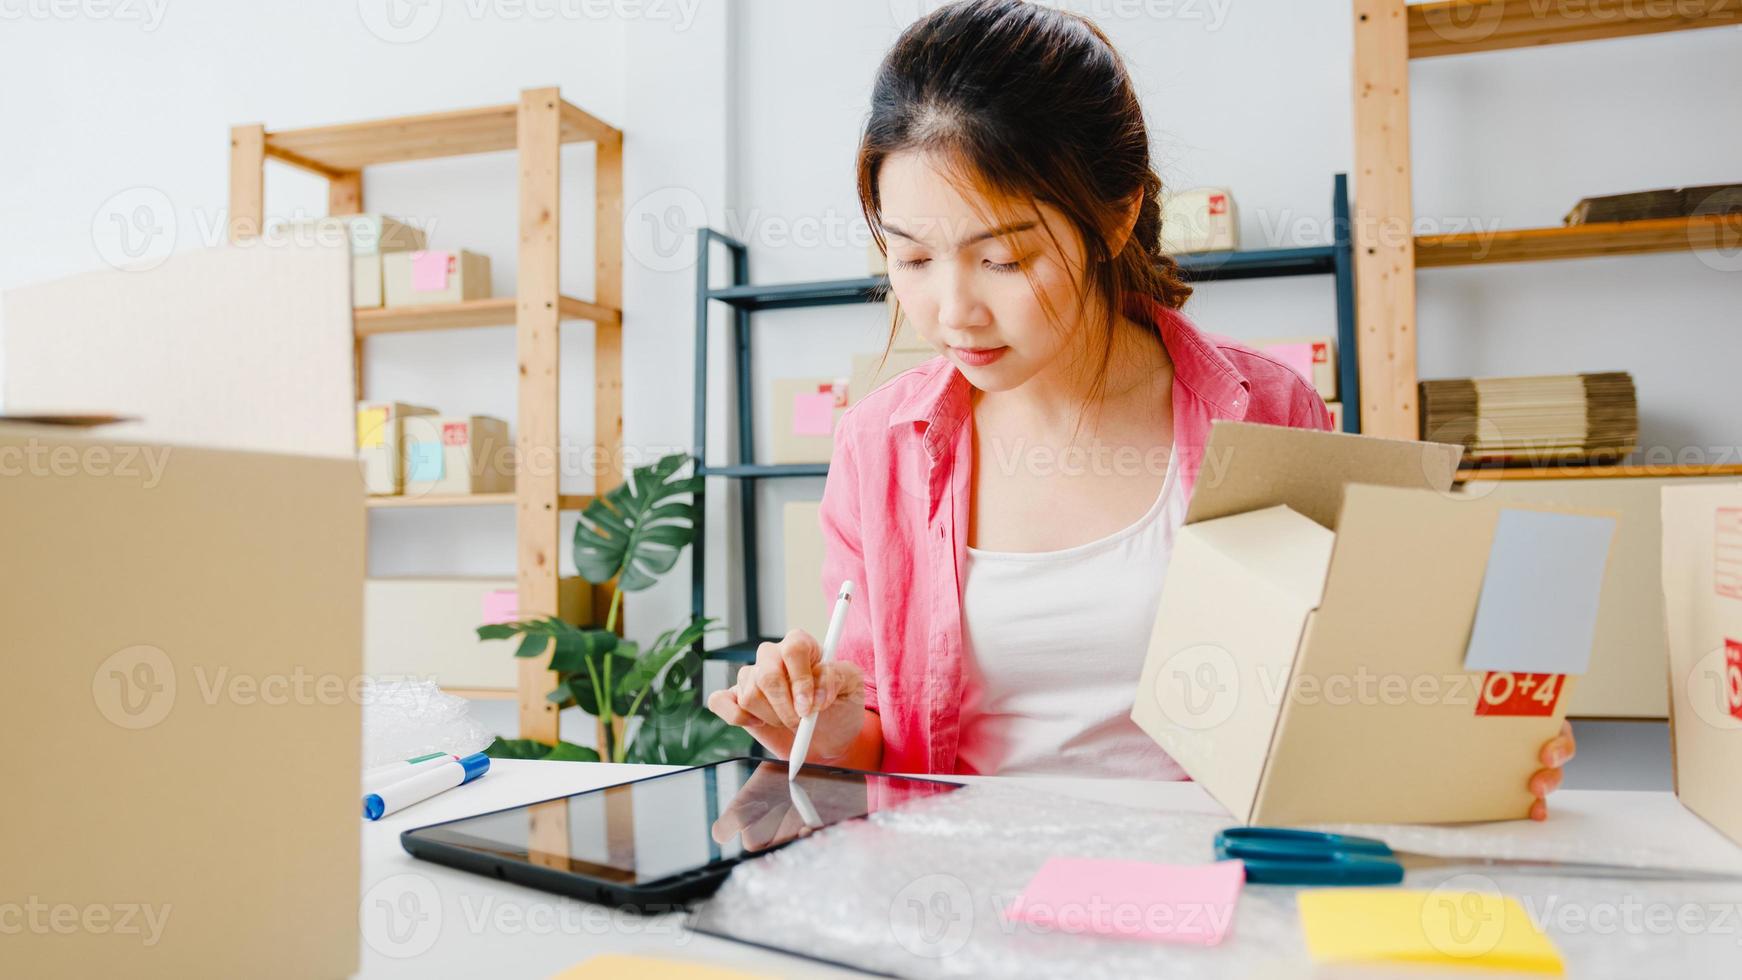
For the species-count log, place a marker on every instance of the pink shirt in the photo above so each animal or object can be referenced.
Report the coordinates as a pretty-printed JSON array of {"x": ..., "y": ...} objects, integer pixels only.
[{"x": 895, "y": 518}]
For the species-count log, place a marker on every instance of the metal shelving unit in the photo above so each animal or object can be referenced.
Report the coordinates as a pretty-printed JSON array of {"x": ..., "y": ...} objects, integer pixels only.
[{"x": 1335, "y": 260}]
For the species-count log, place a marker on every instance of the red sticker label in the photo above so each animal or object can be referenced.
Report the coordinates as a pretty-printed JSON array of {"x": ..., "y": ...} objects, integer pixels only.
[
  {"x": 1733, "y": 677},
  {"x": 1519, "y": 695},
  {"x": 1727, "y": 553},
  {"x": 1321, "y": 353},
  {"x": 1218, "y": 204},
  {"x": 454, "y": 433}
]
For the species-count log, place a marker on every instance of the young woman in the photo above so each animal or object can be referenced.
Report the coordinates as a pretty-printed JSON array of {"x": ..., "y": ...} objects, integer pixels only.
[{"x": 1007, "y": 510}]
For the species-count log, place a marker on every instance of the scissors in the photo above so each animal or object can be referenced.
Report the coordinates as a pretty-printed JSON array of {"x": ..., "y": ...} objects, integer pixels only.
[{"x": 1280, "y": 856}]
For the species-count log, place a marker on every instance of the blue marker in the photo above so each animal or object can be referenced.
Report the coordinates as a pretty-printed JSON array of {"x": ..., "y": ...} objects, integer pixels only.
[{"x": 423, "y": 785}]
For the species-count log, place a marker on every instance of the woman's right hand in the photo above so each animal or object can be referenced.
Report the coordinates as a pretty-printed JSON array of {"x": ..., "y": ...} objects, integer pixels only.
[{"x": 782, "y": 686}]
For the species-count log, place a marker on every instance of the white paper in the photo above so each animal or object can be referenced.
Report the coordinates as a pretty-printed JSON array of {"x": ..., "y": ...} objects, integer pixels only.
[{"x": 1538, "y": 609}]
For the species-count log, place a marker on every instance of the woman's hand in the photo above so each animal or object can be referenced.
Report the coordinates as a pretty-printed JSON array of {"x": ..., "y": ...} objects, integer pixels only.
[
  {"x": 783, "y": 685},
  {"x": 1555, "y": 753}
]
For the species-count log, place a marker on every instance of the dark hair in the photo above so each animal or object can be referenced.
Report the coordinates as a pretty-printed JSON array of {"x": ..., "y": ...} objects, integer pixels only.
[{"x": 1028, "y": 103}]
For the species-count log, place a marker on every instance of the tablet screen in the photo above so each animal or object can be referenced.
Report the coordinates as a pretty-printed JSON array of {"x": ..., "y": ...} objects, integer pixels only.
[{"x": 651, "y": 829}]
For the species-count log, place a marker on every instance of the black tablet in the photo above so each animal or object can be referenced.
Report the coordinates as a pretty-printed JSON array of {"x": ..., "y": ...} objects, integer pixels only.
[{"x": 654, "y": 844}]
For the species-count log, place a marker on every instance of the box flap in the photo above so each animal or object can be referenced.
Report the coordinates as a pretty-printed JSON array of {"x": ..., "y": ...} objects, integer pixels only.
[{"x": 1248, "y": 466}]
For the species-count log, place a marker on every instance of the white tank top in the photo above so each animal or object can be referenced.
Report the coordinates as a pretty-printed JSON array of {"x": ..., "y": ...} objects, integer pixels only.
[{"x": 1055, "y": 642}]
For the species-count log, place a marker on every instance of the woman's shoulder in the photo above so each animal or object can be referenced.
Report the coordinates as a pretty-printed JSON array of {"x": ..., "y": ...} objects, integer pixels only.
[{"x": 903, "y": 394}]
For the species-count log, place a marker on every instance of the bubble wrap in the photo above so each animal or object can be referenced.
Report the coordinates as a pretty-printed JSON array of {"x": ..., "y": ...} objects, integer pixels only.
[
  {"x": 918, "y": 891},
  {"x": 403, "y": 719}
]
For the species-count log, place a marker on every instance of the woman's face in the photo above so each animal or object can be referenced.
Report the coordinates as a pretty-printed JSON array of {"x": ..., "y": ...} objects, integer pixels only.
[{"x": 968, "y": 290}]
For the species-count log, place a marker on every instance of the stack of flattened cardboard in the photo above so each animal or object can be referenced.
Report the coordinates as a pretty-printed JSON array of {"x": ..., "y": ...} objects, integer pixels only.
[
  {"x": 1678, "y": 202},
  {"x": 1542, "y": 418}
]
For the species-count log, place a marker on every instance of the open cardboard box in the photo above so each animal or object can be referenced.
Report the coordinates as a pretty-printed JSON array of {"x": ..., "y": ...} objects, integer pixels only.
[{"x": 1308, "y": 660}]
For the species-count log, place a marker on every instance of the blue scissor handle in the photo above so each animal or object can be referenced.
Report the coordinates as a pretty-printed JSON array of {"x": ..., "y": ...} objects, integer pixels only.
[{"x": 1280, "y": 856}]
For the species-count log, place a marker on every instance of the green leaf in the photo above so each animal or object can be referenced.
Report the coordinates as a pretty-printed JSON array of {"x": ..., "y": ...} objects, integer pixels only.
[
  {"x": 670, "y": 645},
  {"x": 526, "y": 748},
  {"x": 533, "y": 645},
  {"x": 635, "y": 532},
  {"x": 686, "y": 734},
  {"x": 574, "y": 649},
  {"x": 496, "y": 631}
]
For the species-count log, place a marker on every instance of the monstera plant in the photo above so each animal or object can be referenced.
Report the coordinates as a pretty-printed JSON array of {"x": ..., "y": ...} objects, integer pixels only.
[{"x": 633, "y": 534}]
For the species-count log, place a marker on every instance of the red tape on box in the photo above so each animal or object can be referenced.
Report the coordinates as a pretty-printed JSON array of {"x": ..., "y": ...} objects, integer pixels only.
[{"x": 1506, "y": 694}]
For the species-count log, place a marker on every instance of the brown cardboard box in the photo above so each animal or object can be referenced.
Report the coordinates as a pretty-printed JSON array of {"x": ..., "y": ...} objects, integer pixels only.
[
  {"x": 1630, "y": 657},
  {"x": 381, "y": 444},
  {"x": 183, "y": 746},
  {"x": 427, "y": 628},
  {"x": 457, "y": 455},
  {"x": 1702, "y": 589},
  {"x": 1323, "y": 352},
  {"x": 370, "y": 236},
  {"x": 804, "y": 415},
  {"x": 466, "y": 276},
  {"x": 1201, "y": 219},
  {"x": 807, "y": 606},
  {"x": 868, "y": 378},
  {"x": 1336, "y": 410},
  {"x": 1308, "y": 657}
]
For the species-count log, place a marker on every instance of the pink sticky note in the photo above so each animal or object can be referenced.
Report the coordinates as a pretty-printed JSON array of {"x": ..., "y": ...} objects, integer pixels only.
[
  {"x": 429, "y": 271},
  {"x": 813, "y": 414},
  {"x": 1170, "y": 903},
  {"x": 501, "y": 606},
  {"x": 1297, "y": 356}
]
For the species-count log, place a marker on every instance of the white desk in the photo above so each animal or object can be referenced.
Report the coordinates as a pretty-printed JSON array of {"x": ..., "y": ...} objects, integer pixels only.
[{"x": 424, "y": 920}]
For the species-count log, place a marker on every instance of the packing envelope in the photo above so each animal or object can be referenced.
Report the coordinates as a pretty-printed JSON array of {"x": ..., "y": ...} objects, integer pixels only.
[
  {"x": 1702, "y": 592},
  {"x": 1308, "y": 657}
]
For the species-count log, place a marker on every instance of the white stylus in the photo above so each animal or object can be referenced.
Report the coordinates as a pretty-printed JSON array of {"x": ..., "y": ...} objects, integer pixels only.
[{"x": 801, "y": 742}]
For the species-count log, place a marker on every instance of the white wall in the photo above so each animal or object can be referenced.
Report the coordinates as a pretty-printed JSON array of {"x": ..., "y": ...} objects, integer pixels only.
[{"x": 745, "y": 114}]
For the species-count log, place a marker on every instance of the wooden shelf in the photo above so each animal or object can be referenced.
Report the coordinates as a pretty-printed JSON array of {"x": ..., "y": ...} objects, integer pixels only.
[
  {"x": 1580, "y": 241},
  {"x": 1597, "y": 471},
  {"x": 1466, "y": 26},
  {"x": 498, "y": 311},
  {"x": 564, "y": 502},
  {"x": 349, "y": 147}
]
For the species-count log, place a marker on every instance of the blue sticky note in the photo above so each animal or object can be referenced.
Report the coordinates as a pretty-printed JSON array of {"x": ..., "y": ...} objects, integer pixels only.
[
  {"x": 1538, "y": 609},
  {"x": 424, "y": 462}
]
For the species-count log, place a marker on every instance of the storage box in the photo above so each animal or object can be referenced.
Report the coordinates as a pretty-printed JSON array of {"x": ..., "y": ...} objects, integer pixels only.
[
  {"x": 1702, "y": 587},
  {"x": 1322, "y": 645},
  {"x": 370, "y": 236},
  {"x": 1336, "y": 410},
  {"x": 805, "y": 413},
  {"x": 1313, "y": 358},
  {"x": 1630, "y": 657},
  {"x": 428, "y": 628},
  {"x": 867, "y": 377},
  {"x": 380, "y": 444},
  {"x": 457, "y": 454},
  {"x": 428, "y": 277},
  {"x": 807, "y": 607},
  {"x": 1199, "y": 220}
]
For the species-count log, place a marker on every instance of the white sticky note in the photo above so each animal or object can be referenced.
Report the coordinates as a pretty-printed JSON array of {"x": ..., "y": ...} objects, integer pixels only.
[{"x": 1538, "y": 609}]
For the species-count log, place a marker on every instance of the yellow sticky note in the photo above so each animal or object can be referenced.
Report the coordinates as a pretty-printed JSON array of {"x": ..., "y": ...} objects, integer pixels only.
[
  {"x": 613, "y": 966},
  {"x": 1448, "y": 926},
  {"x": 371, "y": 427}
]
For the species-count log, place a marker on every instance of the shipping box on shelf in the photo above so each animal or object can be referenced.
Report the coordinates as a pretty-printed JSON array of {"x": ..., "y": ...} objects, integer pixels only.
[
  {"x": 429, "y": 277},
  {"x": 871, "y": 371},
  {"x": 1340, "y": 638},
  {"x": 428, "y": 628},
  {"x": 380, "y": 444},
  {"x": 457, "y": 454},
  {"x": 1313, "y": 358},
  {"x": 371, "y": 236},
  {"x": 807, "y": 606},
  {"x": 1202, "y": 219},
  {"x": 1702, "y": 588},
  {"x": 804, "y": 416}
]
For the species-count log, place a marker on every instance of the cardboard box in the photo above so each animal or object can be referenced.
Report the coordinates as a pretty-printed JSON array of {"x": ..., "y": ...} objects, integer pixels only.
[
  {"x": 1702, "y": 588},
  {"x": 366, "y": 289},
  {"x": 805, "y": 413},
  {"x": 1630, "y": 656},
  {"x": 1313, "y": 358},
  {"x": 1336, "y": 410},
  {"x": 381, "y": 442},
  {"x": 1321, "y": 645},
  {"x": 807, "y": 607},
  {"x": 867, "y": 377},
  {"x": 427, "y": 628},
  {"x": 183, "y": 723},
  {"x": 457, "y": 454},
  {"x": 425, "y": 278},
  {"x": 366, "y": 234},
  {"x": 1199, "y": 220}
]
